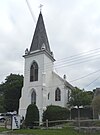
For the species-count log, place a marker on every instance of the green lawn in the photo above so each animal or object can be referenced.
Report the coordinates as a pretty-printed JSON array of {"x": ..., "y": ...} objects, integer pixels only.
[
  {"x": 64, "y": 131},
  {"x": 2, "y": 129}
]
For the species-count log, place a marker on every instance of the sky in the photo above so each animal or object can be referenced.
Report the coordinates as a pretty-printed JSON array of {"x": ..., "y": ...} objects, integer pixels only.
[{"x": 73, "y": 29}]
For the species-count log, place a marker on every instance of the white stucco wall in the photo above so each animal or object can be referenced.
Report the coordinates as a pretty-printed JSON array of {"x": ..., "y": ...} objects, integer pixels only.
[
  {"x": 47, "y": 82},
  {"x": 39, "y": 86}
]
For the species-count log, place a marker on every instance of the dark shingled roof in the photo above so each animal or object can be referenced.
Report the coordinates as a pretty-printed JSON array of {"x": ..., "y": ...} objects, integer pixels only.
[{"x": 40, "y": 36}]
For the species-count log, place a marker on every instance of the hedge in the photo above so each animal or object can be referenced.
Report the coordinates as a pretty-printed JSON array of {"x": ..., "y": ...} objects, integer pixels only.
[
  {"x": 32, "y": 115},
  {"x": 55, "y": 113}
]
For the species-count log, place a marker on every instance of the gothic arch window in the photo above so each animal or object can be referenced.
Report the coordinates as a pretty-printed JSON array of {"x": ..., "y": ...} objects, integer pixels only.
[
  {"x": 33, "y": 97},
  {"x": 57, "y": 94},
  {"x": 34, "y": 72},
  {"x": 48, "y": 95}
]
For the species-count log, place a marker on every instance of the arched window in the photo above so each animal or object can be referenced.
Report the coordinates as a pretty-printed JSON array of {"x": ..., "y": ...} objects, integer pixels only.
[
  {"x": 48, "y": 95},
  {"x": 34, "y": 72},
  {"x": 33, "y": 97},
  {"x": 58, "y": 95}
]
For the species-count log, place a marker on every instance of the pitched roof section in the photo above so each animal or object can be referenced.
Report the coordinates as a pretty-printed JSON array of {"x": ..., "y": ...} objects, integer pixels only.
[
  {"x": 67, "y": 84},
  {"x": 40, "y": 38}
]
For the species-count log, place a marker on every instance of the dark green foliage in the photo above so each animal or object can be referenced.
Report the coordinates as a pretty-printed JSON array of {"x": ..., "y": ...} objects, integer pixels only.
[
  {"x": 55, "y": 113},
  {"x": 80, "y": 97},
  {"x": 11, "y": 91},
  {"x": 2, "y": 110},
  {"x": 32, "y": 115}
]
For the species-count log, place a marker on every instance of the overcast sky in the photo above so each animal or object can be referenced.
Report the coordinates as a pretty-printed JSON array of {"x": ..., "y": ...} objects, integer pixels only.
[{"x": 73, "y": 28}]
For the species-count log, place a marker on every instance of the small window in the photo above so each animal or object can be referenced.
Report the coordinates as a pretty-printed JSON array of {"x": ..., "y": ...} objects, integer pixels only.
[
  {"x": 34, "y": 72},
  {"x": 48, "y": 95},
  {"x": 33, "y": 97},
  {"x": 57, "y": 95}
]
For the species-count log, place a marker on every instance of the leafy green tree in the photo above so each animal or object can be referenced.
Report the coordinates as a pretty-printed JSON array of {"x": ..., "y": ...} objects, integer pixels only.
[
  {"x": 11, "y": 89},
  {"x": 79, "y": 98},
  {"x": 32, "y": 115},
  {"x": 1, "y": 99},
  {"x": 2, "y": 110}
]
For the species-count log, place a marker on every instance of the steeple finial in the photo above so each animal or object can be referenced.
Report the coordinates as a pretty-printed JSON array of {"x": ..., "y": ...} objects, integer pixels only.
[{"x": 40, "y": 7}]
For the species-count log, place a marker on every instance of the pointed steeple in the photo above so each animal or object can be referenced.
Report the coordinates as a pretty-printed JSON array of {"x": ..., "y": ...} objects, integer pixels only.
[{"x": 40, "y": 39}]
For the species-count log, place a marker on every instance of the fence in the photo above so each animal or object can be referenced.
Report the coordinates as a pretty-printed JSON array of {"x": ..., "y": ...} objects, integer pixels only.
[
  {"x": 70, "y": 123},
  {"x": 78, "y": 124}
]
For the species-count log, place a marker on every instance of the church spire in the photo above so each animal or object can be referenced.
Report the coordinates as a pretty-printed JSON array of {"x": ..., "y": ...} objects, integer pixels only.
[{"x": 40, "y": 38}]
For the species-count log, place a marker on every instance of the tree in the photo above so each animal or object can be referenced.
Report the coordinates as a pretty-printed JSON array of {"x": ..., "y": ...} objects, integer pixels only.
[
  {"x": 2, "y": 110},
  {"x": 32, "y": 115},
  {"x": 79, "y": 98},
  {"x": 11, "y": 89},
  {"x": 96, "y": 104}
]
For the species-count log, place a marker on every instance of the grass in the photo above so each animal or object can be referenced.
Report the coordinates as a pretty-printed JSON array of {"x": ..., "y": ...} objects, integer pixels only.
[
  {"x": 3, "y": 129},
  {"x": 64, "y": 131}
]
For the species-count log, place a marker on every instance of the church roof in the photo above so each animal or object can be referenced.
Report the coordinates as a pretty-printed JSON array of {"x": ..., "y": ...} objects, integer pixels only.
[
  {"x": 67, "y": 84},
  {"x": 40, "y": 38}
]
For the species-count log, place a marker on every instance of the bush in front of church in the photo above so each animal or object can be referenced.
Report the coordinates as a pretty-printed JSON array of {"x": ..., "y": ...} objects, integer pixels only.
[
  {"x": 53, "y": 113},
  {"x": 32, "y": 115}
]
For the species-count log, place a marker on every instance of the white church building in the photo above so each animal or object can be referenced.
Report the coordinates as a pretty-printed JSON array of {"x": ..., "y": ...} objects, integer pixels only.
[{"x": 42, "y": 86}]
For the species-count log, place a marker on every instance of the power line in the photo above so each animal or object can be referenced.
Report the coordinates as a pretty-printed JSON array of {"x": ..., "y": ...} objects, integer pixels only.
[
  {"x": 92, "y": 82},
  {"x": 70, "y": 62},
  {"x": 74, "y": 59},
  {"x": 75, "y": 80},
  {"x": 82, "y": 53},
  {"x": 62, "y": 66},
  {"x": 73, "y": 64},
  {"x": 85, "y": 76},
  {"x": 44, "y": 69},
  {"x": 31, "y": 11},
  {"x": 80, "y": 58}
]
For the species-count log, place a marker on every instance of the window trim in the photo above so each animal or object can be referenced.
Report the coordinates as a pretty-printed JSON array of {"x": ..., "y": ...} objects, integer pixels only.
[
  {"x": 57, "y": 94},
  {"x": 34, "y": 71}
]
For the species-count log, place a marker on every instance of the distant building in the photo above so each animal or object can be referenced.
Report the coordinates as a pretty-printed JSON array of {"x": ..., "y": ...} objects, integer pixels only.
[
  {"x": 42, "y": 86},
  {"x": 96, "y": 91}
]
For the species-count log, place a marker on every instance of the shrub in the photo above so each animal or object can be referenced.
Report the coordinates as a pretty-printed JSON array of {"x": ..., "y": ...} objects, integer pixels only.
[
  {"x": 32, "y": 115},
  {"x": 55, "y": 113}
]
